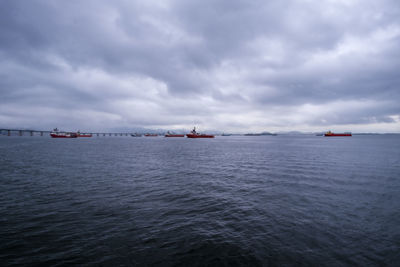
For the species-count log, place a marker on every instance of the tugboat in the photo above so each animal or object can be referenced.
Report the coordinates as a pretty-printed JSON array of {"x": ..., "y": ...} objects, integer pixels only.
[
  {"x": 194, "y": 134},
  {"x": 168, "y": 134},
  {"x": 329, "y": 133},
  {"x": 57, "y": 134}
]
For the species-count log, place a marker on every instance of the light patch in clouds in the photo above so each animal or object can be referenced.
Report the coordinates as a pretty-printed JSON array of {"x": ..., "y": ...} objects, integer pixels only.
[{"x": 223, "y": 65}]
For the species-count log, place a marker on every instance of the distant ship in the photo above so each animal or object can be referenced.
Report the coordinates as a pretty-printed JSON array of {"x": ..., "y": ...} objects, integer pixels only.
[
  {"x": 59, "y": 134},
  {"x": 194, "y": 134},
  {"x": 83, "y": 134},
  {"x": 136, "y": 135},
  {"x": 329, "y": 133},
  {"x": 252, "y": 134},
  {"x": 168, "y": 134},
  {"x": 150, "y": 135},
  {"x": 225, "y": 134}
]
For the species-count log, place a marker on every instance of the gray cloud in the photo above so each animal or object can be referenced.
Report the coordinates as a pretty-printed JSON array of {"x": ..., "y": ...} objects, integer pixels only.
[{"x": 233, "y": 65}]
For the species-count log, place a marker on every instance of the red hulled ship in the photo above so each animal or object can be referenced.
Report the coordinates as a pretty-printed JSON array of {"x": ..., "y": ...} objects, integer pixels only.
[
  {"x": 57, "y": 134},
  {"x": 329, "y": 133},
  {"x": 168, "y": 134},
  {"x": 83, "y": 134},
  {"x": 194, "y": 134}
]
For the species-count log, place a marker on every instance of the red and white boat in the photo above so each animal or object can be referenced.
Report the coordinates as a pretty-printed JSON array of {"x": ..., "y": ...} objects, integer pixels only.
[
  {"x": 194, "y": 134},
  {"x": 329, "y": 134},
  {"x": 168, "y": 134},
  {"x": 58, "y": 134}
]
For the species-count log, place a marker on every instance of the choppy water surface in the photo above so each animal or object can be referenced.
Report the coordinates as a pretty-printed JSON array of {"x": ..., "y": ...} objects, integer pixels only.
[{"x": 251, "y": 201}]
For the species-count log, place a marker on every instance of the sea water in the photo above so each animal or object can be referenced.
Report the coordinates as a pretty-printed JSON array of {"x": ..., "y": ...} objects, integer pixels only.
[{"x": 229, "y": 201}]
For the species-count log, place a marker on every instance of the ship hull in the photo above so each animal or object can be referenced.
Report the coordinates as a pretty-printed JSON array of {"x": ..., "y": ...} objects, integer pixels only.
[
  {"x": 174, "y": 135},
  {"x": 337, "y": 134},
  {"x": 199, "y": 136},
  {"x": 84, "y": 135},
  {"x": 63, "y": 135}
]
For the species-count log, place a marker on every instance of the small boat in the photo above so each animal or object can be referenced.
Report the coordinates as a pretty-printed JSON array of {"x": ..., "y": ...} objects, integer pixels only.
[
  {"x": 150, "y": 135},
  {"x": 168, "y": 134},
  {"x": 59, "y": 134},
  {"x": 225, "y": 134},
  {"x": 136, "y": 135},
  {"x": 194, "y": 134},
  {"x": 83, "y": 134},
  {"x": 329, "y": 133}
]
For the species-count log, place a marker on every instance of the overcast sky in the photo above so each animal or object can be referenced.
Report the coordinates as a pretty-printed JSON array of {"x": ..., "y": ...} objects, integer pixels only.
[{"x": 228, "y": 65}]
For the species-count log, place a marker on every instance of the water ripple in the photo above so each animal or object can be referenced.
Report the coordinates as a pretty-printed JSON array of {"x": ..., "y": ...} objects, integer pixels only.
[{"x": 230, "y": 201}]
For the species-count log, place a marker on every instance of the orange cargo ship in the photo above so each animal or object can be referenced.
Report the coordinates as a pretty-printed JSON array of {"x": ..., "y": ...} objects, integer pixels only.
[{"x": 329, "y": 133}]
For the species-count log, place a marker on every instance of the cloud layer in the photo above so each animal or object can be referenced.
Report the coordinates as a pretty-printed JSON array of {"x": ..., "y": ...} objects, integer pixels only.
[{"x": 221, "y": 64}]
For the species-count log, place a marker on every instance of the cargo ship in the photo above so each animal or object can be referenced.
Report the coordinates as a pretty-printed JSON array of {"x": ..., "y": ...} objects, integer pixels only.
[
  {"x": 329, "y": 133},
  {"x": 83, "y": 134},
  {"x": 168, "y": 134},
  {"x": 58, "y": 134},
  {"x": 194, "y": 134}
]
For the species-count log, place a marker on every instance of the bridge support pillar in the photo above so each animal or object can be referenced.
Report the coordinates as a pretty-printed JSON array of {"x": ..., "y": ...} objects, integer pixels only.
[
  {"x": 31, "y": 133},
  {"x": 8, "y": 132},
  {"x": 41, "y": 133},
  {"x": 20, "y": 133}
]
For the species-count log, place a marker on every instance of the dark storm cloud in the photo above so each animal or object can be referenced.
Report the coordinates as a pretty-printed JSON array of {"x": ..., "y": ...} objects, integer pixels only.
[{"x": 221, "y": 63}]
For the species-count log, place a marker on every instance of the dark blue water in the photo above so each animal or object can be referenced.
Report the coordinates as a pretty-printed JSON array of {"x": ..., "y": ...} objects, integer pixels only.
[{"x": 228, "y": 201}]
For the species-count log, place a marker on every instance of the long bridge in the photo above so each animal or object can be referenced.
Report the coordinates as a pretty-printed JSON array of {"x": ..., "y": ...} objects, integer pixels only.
[{"x": 22, "y": 132}]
